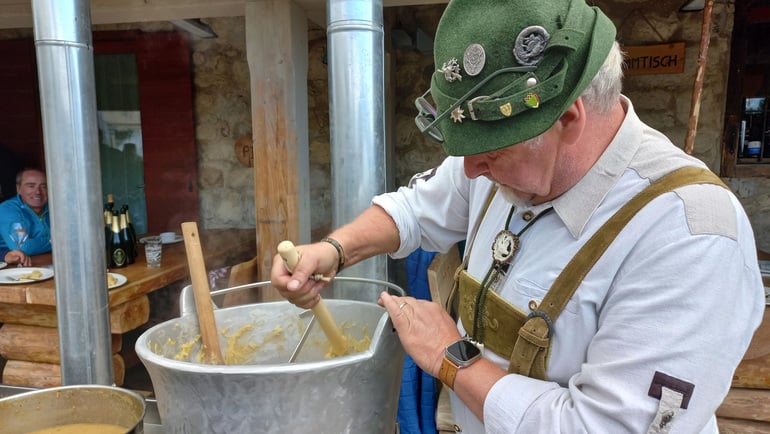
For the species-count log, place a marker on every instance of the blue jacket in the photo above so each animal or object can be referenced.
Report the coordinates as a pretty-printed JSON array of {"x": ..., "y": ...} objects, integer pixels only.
[
  {"x": 417, "y": 400},
  {"x": 14, "y": 210}
]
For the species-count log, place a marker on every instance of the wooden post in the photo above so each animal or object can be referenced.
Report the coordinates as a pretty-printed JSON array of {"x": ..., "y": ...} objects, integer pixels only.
[
  {"x": 692, "y": 125},
  {"x": 276, "y": 47}
]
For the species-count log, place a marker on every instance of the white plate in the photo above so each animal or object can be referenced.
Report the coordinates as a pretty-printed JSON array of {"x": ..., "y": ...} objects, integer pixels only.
[
  {"x": 121, "y": 279},
  {"x": 3, "y": 265},
  {"x": 178, "y": 238},
  {"x": 10, "y": 276}
]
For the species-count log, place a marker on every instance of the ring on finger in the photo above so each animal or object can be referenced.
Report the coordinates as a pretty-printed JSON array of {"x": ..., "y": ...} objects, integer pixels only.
[{"x": 401, "y": 306}]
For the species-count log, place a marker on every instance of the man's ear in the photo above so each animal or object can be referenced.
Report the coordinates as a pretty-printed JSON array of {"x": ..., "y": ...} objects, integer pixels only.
[{"x": 572, "y": 122}]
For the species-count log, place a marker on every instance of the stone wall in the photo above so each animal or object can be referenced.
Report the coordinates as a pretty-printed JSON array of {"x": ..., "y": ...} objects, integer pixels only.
[
  {"x": 223, "y": 115},
  {"x": 664, "y": 100}
]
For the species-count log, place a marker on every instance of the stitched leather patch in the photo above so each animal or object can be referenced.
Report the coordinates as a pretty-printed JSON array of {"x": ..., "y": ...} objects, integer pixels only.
[{"x": 662, "y": 380}]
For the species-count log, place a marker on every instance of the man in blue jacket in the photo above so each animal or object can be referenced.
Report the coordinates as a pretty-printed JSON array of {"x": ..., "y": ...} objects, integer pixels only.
[{"x": 24, "y": 220}]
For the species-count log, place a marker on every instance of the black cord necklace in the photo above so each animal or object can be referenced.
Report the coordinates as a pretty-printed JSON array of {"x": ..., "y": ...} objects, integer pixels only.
[{"x": 504, "y": 248}]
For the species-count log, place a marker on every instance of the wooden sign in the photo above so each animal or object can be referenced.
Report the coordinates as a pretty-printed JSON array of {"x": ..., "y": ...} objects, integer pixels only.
[
  {"x": 244, "y": 150},
  {"x": 655, "y": 59}
]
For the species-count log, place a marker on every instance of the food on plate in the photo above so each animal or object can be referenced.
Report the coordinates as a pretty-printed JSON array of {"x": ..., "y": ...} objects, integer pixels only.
[
  {"x": 111, "y": 280},
  {"x": 32, "y": 275}
]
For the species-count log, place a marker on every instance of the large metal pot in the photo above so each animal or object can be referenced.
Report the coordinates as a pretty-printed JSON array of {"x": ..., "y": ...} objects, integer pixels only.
[
  {"x": 263, "y": 392},
  {"x": 47, "y": 408}
]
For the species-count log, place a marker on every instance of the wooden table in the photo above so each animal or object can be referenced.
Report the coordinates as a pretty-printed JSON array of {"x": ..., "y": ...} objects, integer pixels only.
[{"x": 29, "y": 338}]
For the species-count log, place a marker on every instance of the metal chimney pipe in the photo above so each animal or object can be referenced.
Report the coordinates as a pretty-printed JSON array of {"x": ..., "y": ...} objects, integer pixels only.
[
  {"x": 355, "y": 38},
  {"x": 65, "y": 62}
]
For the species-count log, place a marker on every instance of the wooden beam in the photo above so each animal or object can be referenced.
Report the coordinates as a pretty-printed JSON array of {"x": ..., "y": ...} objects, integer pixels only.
[
  {"x": 692, "y": 126},
  {"x": 37, "y": 344},
  {"x": 276, "y": 47},
  {"x": 738, "y": 426},
  {"x": 746, "y": 404},
  {"x": 41, "y": 375},
  {"x": 18, "y": 13}
]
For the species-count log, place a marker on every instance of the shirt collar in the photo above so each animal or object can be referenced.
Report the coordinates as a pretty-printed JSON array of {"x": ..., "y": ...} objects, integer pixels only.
[{"x": 576, "y": 206}]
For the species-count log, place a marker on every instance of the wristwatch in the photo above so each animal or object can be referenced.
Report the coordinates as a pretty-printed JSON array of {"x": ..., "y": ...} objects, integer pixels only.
[{"x": 457, "y": 355}]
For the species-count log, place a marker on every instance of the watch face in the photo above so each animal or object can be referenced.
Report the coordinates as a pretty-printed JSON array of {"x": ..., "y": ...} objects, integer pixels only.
[{"x": 462, "y": 352}]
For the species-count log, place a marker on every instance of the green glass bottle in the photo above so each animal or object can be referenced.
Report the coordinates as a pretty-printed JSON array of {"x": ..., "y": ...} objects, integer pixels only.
[{"x": 118, "y": 257}]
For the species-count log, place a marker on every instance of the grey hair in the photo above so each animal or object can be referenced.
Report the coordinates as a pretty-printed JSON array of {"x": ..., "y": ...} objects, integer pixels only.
[
  {"x": 604, "y": 90},
  {"x": 20, "y": 173}
]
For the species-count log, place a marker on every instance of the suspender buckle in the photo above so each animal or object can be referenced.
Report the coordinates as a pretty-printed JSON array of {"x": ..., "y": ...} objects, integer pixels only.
[{"x": 545, "y": 317}]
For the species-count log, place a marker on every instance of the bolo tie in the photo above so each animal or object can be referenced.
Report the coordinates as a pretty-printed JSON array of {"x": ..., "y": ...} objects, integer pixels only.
[{"x": 504, "y": 248}]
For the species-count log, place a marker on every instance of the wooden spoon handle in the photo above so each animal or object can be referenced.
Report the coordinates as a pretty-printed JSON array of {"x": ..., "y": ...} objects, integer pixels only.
[
  {"x": 290, "y": 256},
  {"x": 202, "y": 293}
]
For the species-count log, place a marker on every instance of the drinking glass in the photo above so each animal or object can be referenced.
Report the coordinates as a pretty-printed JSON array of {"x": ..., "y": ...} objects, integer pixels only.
[
  {"x": 153, "y": 251},
  {"x": 19, "y": 235}
]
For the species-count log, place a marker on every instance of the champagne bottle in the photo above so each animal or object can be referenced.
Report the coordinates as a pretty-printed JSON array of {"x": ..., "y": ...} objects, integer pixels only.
[
  {"x": 107, "y": 233},
  {"x": 117, "y": 250},
  {"x": 131, "y": 230},
  {"x": 125, "y": 237},
  {"x": 108, "y": 210},
  {"x": 110, "y": 203}
]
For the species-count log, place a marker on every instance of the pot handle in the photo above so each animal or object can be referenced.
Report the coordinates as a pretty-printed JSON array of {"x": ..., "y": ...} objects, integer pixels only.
[{"x": 187, "y": 302}]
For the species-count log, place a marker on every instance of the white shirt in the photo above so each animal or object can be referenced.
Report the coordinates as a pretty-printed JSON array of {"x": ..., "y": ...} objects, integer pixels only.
[{"x": 678, "y": 292}]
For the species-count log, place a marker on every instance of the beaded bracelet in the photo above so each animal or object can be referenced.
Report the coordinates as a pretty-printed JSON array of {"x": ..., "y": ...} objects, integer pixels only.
[{"x": 340, "y": 252}]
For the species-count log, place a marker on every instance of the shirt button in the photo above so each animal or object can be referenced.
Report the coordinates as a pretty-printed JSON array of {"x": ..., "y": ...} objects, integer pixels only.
[{"x": 527, "y": 216}]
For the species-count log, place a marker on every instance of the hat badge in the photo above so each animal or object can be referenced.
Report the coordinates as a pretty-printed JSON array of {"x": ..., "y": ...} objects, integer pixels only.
[
  {"x": 506, "y": 109},
  {"x": 474, "y": 59},
  {"x": 457, "y": 115},
  {"x": 532, "y": 100},
  {"x": 451, "y": 70},
  {"x": 530, "y": 45}
]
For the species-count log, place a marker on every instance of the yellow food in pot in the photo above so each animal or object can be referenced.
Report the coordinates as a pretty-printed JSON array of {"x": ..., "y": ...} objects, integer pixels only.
[{"x": 83, "y": 428}]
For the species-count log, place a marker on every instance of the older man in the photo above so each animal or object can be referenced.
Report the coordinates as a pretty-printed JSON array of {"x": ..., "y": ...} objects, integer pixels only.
[
  {"x": 610, "y": 282},
  {"x": 24, "y": 222}
]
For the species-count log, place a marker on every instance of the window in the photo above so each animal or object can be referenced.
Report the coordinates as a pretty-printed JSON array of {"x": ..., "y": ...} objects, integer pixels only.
[
  {"x": 120, "y": 133},
  {"x": 746, "y": 140},
  {"x": 155, "y": 80}
]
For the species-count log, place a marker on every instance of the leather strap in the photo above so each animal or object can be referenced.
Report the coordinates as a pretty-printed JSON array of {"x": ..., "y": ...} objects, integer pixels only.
[
  {"x": 451, "y": 301},
  {"x": 448, "y": 372},
  {"x": 530, "y": 353}
]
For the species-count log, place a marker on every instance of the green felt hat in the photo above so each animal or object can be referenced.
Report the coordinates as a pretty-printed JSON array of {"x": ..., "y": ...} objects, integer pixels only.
[{"x": 506, "y": 70}]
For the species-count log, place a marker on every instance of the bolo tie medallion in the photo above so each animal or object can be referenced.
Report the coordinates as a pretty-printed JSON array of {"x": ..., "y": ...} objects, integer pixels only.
[{"x": 504, "y": 247}]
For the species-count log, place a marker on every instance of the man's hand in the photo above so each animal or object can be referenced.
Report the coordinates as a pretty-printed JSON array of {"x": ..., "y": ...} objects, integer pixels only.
[
  {"x": 299, "y": 288},
  {"x": 424, "y": 328},
  {"x": 18, "y": 257}
]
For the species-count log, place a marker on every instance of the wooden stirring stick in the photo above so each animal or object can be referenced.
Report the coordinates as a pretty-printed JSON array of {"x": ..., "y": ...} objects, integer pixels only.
[
  {"x": 290, "y": 256},
  {"x": 202, "y": 293}
]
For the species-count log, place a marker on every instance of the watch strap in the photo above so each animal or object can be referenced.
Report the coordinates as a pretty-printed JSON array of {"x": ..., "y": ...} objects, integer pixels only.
[{"x": 448, "y": 372}]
